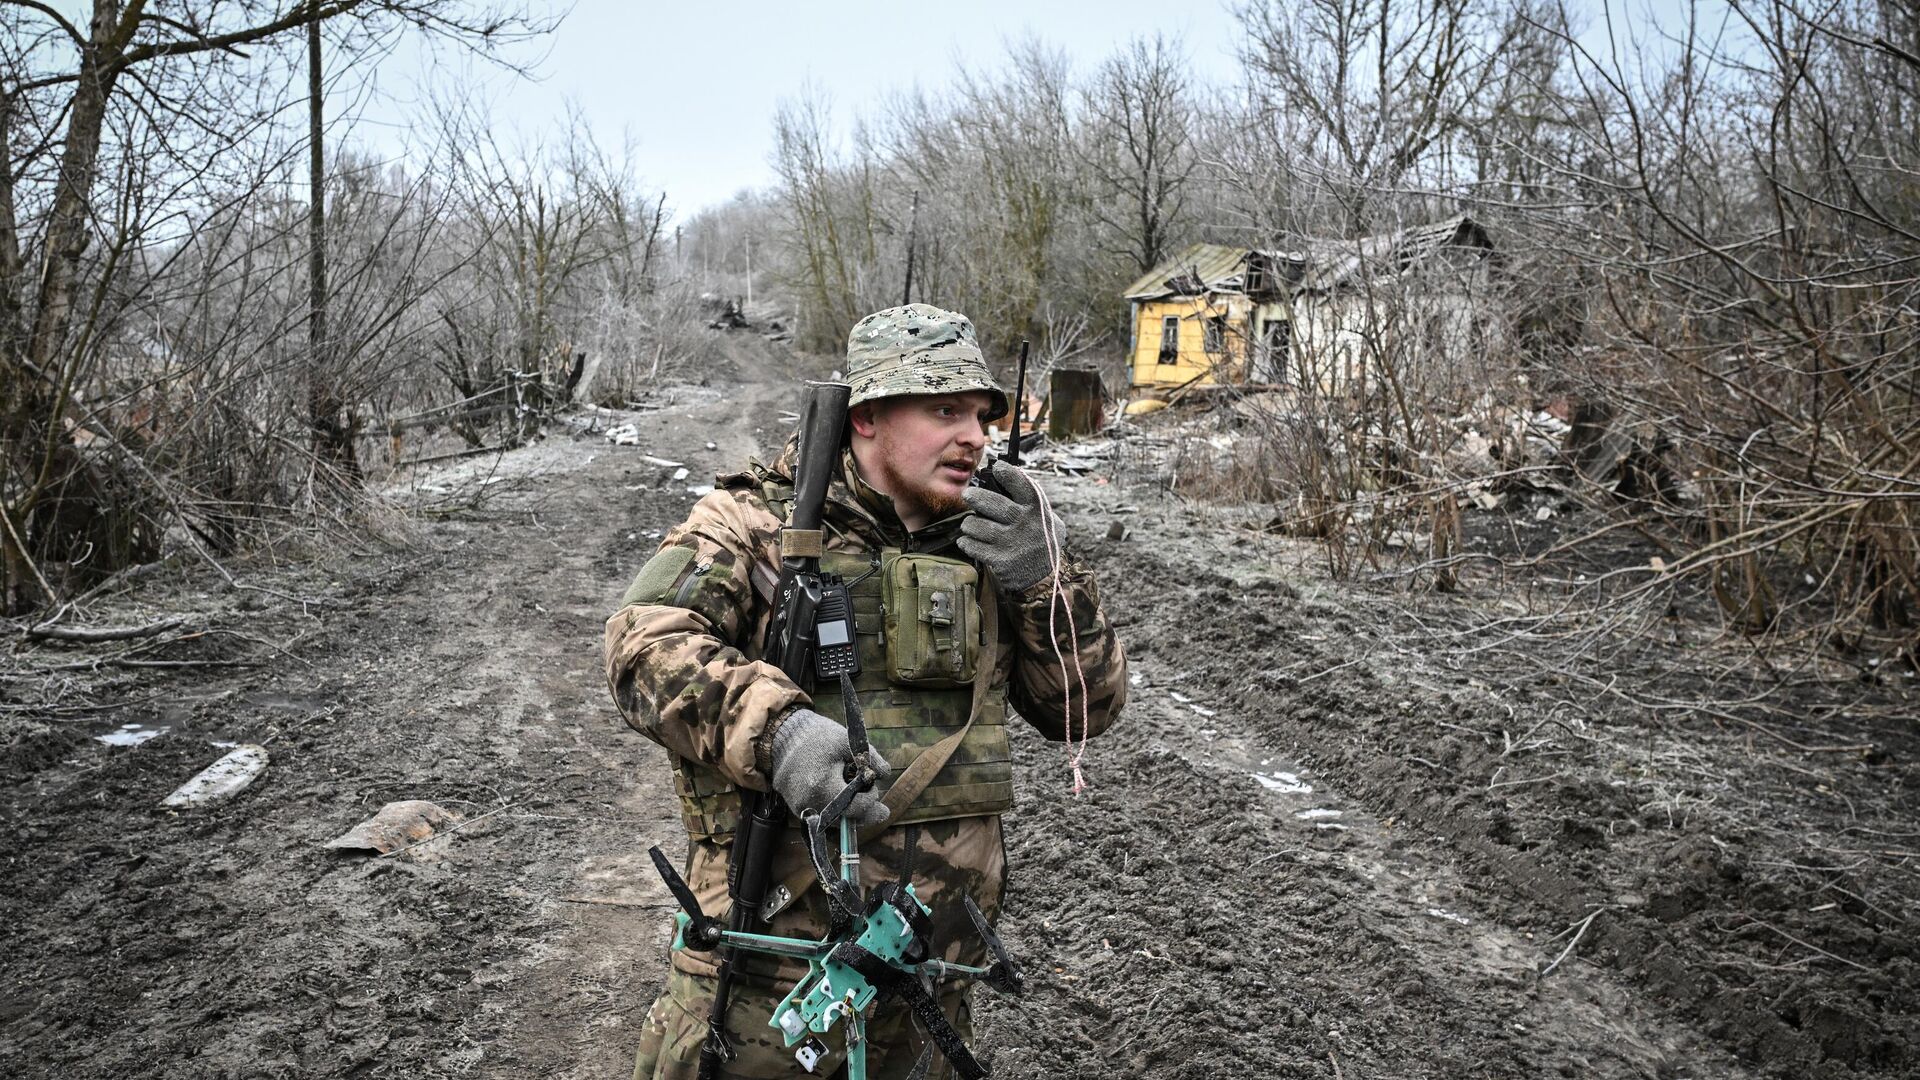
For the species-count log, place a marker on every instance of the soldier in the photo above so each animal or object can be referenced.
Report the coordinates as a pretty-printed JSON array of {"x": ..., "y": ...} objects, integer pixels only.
[{"x": 682, "y": 657}]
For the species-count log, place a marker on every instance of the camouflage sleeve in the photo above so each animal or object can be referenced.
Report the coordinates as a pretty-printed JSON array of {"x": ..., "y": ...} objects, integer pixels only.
[
  {"x": 674, "y": 651},
  {"x": 1039, "y": 689}
]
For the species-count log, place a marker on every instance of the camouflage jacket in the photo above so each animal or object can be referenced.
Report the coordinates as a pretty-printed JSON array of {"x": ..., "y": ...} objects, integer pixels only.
[{"x": 687, "y": 674}]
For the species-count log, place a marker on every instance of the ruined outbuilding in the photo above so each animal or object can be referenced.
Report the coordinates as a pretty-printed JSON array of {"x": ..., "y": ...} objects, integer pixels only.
[{"x": 1331, "y": 314}]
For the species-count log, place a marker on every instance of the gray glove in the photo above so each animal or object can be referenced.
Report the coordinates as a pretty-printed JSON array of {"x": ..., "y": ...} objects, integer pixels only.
[
  {"x": 1005, "y": 532},
  {"x": 810, "y": 757}
]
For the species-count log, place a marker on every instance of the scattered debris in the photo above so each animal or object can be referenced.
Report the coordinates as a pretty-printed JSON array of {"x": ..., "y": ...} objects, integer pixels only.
[
  {"x": 680, "y": 474},
  {"x": 223, "y": 779},
  {"x": 624, "y": 435},
  {"x": 1116, "y": 530},
  {"x": 397, "y": 826},
  {"x": 1442, "y": 913},
  {"x": 1317, "y": 813},
  {"x": 661, "y": 462},
  {"x": 729, "y": 313}
]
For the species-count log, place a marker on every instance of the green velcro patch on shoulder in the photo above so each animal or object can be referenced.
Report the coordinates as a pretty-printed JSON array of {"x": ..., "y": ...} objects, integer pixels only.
[{"x": 655, "y": 581}]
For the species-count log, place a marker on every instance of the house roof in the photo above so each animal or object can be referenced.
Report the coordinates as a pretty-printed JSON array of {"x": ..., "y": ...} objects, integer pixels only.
[
  {"x": 1331, "y": 263},
  {"x": 1198, "y": 268},
  {"x": 1328, "y": 263}
]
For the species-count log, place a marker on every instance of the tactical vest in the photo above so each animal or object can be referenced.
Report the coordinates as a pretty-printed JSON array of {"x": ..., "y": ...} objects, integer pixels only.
[{"x": 902, "y": 719}]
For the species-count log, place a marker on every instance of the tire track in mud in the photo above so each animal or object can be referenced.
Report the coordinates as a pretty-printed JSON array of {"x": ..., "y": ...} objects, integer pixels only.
[
  {"x": 1371, "y": 726},
  {"x": 584, "y": 996},
  {"x": 1183, "y": 919}
]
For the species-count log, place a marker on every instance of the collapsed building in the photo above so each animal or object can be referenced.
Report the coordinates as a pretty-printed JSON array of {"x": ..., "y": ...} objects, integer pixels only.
[{"x": 1334, "y": 315}]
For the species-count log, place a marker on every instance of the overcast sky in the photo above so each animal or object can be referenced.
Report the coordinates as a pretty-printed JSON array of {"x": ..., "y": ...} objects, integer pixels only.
[{"x": 693, "y": 86}]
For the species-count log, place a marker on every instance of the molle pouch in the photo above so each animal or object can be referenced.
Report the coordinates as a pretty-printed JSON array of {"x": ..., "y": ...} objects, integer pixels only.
[{"x": 932, "y": 619}]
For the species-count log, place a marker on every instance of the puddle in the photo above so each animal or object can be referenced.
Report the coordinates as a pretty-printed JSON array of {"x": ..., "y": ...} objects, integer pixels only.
[
  {"x": 130, "y": 735},
  {"x": 1284, "y": 783},
  {"x": 297, "y": 704}
]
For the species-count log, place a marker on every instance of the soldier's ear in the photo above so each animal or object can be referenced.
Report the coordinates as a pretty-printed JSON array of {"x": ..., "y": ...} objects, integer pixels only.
[{"x": 860, "y": 417}]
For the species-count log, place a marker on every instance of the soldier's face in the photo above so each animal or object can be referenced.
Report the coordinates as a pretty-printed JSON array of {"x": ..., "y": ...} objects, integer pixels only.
[{"x": 922, "y": 449}]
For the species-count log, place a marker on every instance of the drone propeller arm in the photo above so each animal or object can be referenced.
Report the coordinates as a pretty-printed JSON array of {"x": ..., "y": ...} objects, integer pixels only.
[{"x": 703, "y": 932}]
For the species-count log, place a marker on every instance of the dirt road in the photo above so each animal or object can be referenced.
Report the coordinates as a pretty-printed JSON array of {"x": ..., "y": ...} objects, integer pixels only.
[{"x": 1291, "y": 862}]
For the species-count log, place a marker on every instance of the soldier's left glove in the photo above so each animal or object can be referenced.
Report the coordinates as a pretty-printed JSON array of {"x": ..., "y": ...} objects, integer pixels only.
[
  {"x": 810, "y": 759},
  {"x": 1008, "y": 533}
]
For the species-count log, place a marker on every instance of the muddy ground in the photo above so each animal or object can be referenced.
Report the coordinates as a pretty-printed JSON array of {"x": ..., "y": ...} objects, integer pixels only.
[{"x": 1318, "y": 844}]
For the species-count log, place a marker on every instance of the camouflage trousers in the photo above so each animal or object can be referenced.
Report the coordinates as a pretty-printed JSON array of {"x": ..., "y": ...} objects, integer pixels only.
[{"x": 676, "y": 1025}]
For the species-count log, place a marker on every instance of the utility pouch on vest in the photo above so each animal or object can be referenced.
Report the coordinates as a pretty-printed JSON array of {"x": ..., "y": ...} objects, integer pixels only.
[{"x": 932, "y": 621}]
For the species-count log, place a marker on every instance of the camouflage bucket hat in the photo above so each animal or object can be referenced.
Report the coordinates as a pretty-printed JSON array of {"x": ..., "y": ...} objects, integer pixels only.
[{"x": 918, "y": 349}]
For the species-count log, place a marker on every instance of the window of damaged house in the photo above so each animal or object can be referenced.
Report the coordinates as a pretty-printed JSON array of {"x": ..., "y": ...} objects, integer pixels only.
[
  {"x": 1216, "y": 334},
  {"x": 1276, "y": 340},
  {"x": 1170, "y": 339},
  {"x": 1256, "y": 275}
]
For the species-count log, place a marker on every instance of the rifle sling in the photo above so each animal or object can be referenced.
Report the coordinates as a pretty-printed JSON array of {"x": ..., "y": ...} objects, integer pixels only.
[{"x": 924, "y": 768}]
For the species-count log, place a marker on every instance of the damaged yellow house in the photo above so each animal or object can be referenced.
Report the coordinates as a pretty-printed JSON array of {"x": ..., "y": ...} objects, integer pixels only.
[{"x": 1320, "y": 314}]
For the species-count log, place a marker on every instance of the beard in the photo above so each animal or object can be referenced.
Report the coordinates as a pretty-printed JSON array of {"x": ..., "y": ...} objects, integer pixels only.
[{"x": 942, "y": 504}]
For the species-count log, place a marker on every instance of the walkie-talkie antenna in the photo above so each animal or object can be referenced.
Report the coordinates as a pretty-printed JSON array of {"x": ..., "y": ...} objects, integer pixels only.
[{"x": 1019, "y": 405}]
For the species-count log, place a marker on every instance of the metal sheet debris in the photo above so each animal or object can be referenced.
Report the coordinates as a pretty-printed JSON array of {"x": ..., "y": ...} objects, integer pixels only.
[{"x": 221, "y": 780}]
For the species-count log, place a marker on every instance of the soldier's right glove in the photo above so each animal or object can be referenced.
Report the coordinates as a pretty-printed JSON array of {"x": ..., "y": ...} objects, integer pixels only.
[
  {"x": 810, "y": 758},
  {"x": 1008, "y": 533}
]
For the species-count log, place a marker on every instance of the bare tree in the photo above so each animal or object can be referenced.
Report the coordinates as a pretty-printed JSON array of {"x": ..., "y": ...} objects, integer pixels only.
[
  {"x": 1373, "y": 89},
  {"x": 1136, "y": 144}
]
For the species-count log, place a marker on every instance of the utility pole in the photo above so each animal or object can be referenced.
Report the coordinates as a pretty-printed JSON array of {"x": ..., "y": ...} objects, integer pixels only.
[
  {"x": 913, "y": 225},
  {"x": 749, "y": 270}
]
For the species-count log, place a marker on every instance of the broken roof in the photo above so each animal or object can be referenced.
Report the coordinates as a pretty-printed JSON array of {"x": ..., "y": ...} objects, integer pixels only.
[
  {"x": 1199, "y": 268},
  {"x": 1331, "y": 263},
  {"x": 1328, "y": 263}
]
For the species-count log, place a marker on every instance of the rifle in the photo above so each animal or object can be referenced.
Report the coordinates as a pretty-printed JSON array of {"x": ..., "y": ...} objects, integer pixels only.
[{"x": 801, "y": 600}]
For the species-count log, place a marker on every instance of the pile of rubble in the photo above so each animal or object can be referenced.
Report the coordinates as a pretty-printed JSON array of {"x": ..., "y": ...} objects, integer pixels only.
[{"x": 1498, "y": 455}]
